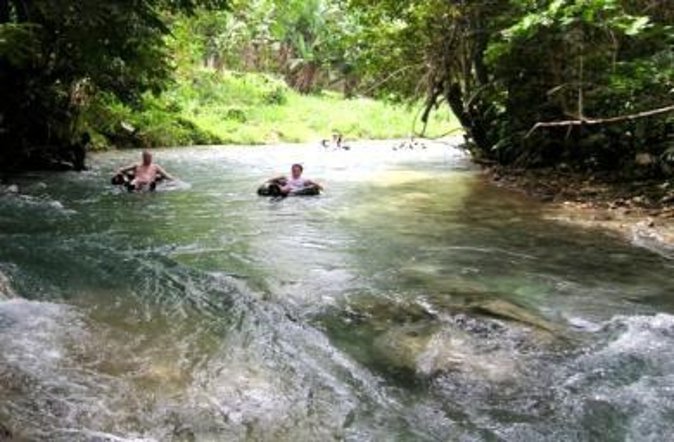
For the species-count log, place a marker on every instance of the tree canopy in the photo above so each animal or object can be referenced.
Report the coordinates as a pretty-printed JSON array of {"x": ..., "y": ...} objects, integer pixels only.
[
  {"x": 503, "y": 66},
  {"x": 305, "y": 41},
  {"x": 584, "y": 82},
  {"x": 55, "y": 54}
]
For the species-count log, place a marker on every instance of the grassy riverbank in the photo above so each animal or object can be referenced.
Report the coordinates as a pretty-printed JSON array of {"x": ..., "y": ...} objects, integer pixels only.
[{"x": 208, "y": 107}]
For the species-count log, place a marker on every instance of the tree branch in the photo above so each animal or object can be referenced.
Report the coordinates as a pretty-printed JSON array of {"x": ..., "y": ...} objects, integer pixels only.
[
  {"x": 393, "y": 74},
  {"x": 599, "y": 121}
]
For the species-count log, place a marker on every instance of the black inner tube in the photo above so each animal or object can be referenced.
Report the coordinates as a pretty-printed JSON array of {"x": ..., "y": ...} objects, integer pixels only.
[
  {"x": 273, "y": 188},
  {"x": 125, "y": 179}
]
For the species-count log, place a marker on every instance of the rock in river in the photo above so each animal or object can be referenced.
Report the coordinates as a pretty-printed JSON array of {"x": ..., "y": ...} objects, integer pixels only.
[
  {"x": 429, "y": 350},
  {"x": 5, "y": 287}
]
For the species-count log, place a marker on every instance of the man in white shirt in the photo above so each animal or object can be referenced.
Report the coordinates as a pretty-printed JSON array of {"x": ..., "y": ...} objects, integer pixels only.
[{"x": 296, "y": 183}]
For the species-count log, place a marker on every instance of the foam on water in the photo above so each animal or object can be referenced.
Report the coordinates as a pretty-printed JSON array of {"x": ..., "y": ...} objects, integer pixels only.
[
  {"x": 632, "y": 374},
  {"x": 36, "y": 355},
  {"x": 620, "y": 388},
  {"x": 643, "y": 236},
  {"x": 40, "y": 204},
  {"x": 70, "y": 376}
]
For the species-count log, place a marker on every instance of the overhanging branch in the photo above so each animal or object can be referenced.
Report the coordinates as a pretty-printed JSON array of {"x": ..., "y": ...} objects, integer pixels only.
[{"x": 600, "y": 121}]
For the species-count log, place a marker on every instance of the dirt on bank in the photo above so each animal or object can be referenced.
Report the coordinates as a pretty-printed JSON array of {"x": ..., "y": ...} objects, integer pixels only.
[{"x": 640, "y": 210}]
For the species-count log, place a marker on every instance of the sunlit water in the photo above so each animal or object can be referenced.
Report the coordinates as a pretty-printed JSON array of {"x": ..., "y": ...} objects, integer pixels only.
[{"x": 411, "y": 301}]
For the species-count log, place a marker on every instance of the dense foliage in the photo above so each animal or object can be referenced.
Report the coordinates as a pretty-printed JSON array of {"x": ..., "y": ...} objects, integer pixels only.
[
  {"x": 208, "y": 106},
  {"x": 302, "y": 40},
  {"x": 54, "y": 55},
  {"x": 503, "y": 66}
]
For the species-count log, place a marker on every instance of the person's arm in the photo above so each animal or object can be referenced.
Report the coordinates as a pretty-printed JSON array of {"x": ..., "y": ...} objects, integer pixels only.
[
  {"x": 313, "y": 183},
  {"x": 165, "y": 174},
  {"x": 278, "y": 179},
  {"x": 123, "y": 170}
]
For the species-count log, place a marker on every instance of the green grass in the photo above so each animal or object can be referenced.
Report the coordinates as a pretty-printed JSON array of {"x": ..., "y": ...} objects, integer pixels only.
[{"x": 207, "y": 107}]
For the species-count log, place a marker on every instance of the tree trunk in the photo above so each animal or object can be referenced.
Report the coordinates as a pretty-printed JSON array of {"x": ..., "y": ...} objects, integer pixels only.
[
  {"x": 305, "y": 78},
  {"x": 4, "y": 11},
  {"x": 21, "y": 9},
  {"x": 473, "y": 125}
]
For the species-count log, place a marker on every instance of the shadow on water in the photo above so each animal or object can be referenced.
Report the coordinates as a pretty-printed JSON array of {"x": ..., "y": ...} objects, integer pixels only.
[{"x": 410, "y": 302}]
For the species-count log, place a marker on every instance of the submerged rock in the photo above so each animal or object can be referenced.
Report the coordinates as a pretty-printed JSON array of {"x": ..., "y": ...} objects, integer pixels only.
[
  {"x": 434, "y": 279},
  {"x": 380, "y": 314},
  {"x": 401, "y": 346},
  {"x": 502, "y": 309},
  {"x": 465, "y": 332},
  {"x": 478, "y": 304},
  {"x": 449, "y": 351},
  {"x": 429, "y": 350},
  {"x": 477, "y": 337}
]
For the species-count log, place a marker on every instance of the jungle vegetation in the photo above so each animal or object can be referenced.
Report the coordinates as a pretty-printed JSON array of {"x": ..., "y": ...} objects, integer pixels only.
[
  {"x": 584, "y": 83},
  {"x": 587, "y": 83}
]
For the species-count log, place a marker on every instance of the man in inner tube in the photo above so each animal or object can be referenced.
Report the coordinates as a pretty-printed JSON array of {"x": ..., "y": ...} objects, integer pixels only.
[
  {"x": 145, "y": 174},
  {"x": 296, "y": 184}
]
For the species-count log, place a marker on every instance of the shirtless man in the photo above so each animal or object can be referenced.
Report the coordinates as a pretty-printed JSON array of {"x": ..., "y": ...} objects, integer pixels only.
[{"x": 145, "y": 174}]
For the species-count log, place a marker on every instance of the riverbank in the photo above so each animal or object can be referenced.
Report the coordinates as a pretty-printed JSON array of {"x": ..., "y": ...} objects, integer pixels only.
[
  {"x": 206, "y": 107},
  {"x": 642, "y": 211}
]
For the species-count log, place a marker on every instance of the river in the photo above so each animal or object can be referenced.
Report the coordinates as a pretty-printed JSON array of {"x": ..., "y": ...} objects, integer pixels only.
[{"x": 411, "y": 301}]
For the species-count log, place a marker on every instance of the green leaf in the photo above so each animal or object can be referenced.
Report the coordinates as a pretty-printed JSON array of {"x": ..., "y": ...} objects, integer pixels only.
[{"x": 637, "y": 26}]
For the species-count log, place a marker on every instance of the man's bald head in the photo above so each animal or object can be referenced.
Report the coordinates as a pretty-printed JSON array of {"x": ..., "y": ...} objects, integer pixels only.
[{"x": 147, "y": 157}]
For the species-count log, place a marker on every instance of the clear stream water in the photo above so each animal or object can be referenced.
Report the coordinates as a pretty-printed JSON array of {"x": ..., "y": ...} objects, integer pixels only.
[{"x": 411, "y": 301}]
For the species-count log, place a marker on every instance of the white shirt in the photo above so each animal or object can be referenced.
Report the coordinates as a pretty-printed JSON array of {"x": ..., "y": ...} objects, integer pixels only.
[{"x": 296, "y": 183}]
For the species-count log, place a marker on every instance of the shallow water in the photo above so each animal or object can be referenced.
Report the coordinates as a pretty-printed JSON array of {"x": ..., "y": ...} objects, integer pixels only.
[{"x": 410, "y": 301}]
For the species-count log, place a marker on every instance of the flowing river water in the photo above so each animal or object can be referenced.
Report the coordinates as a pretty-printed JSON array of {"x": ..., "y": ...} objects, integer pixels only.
[{"x": 410, "y": 301}]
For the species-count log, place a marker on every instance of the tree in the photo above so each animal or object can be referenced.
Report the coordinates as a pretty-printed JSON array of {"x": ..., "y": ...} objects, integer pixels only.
[
  {"x": 55, "y": 54},
  {"x": 303, "y": 40},
  {"x": 503, "y": 66}
]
